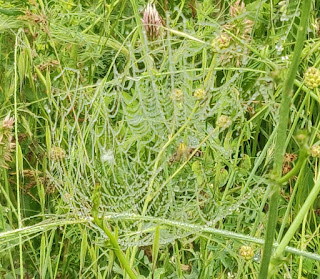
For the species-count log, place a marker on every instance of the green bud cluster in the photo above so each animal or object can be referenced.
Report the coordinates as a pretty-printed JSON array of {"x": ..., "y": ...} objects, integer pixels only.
[
  {"x": 246, "y": 252},
  {"x": 200, "y": 94},
  {"x": 312, "y": 77}
]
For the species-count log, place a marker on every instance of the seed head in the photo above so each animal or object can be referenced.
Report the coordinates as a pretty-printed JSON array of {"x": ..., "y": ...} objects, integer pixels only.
[
  {"x": 57, "y": 153},
  {"x": 289, "y": 157},
  {"x": 286, "y": 168},
  {"x": 237, "y": 8},
  {"x": 8, "y": 122},
  {"x": 200, "y": 94},
  {"x": 177, "y": 95},
  {"x": 152, "y": 21},
  {"x": 315, "y": 151},
  {"x": 7, "y": 143},
  {"x": 247, "y": 252},
  {"x": 224, "y": 121},
  {"x": 312, "y": 77}
]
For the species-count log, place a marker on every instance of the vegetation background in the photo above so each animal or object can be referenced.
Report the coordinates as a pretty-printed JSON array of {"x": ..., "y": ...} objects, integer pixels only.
[{"x": 139, "y": 140}]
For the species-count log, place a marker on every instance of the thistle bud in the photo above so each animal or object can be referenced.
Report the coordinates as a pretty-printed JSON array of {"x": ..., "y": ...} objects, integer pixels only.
[
  {"x": 312, "y": 77},
  {"x": 152, "y": 21}
]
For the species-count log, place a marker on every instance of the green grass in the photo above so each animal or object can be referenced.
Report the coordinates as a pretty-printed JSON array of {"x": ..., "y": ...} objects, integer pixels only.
[{"x": 159, "y": 156}]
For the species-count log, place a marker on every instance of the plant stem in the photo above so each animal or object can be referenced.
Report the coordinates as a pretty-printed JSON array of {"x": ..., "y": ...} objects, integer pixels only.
[
  {"x": 297, "y": 221},
  {"x": 281, "y": 138},
  {"x": 117, "y": 250},
  {"x": 17, "y": 152},
  {"x": 101, "y": 222}
]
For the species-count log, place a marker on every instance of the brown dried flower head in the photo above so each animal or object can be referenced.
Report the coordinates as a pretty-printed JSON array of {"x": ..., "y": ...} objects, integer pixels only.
[
  {"x": 152, "y": 21},
  {"x": 289, "y": 157},
  {"x": 286, "y": 168},
  {"x": 240, "y": 26},
  {"x": 7, "y": 143},
  {"x": 8, "y": 122},
  {"x": 57, "y": 153}
]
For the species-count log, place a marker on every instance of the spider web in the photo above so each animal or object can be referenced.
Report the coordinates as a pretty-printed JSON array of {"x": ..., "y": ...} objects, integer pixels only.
[{"x": 123, "y": 131}]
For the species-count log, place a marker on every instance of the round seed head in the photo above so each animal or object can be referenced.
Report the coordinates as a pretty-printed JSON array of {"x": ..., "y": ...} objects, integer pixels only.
[
  {"x": 246, "y": 252},
  {"x": 312, "y": 77},
  {"x": 315, "y": 151},
  {"x": 224, "y": 121},
  {"x": 177, "y": 95},
  {"x": 200, "y": 94},
  {"x": 57, "y": 153}
]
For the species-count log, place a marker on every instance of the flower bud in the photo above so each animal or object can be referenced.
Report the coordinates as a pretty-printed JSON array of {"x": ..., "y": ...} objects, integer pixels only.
[
  {"x": 200, "y": 94},
  {"x": 312, "y": 77},
  {"x": 246, "y": 252},
  {"x": 152, "y": 21}
]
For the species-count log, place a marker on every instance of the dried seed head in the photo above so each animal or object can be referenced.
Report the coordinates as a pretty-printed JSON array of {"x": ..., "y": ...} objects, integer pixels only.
[
  {"x": 152, "y": 21},
  {"x": 7, "y": 143},
  {"x": 247, "y": 252},
  {"x": 247, "y": 27},
  {"x": 224, "y": 121},
  {"x": 57, "y": 153},
  {"x": 8, "y": 122},
  {"x": 289, "y": 157},
  {"x": 51, "y": 188},
  {"x": 286, "y": 168},
  {"x": 237, "y": 8},
  {"x": 312, "y": 77}
]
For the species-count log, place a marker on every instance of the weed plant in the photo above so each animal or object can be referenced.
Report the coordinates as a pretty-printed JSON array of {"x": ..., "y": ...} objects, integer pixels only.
[{"x": 169, "y": 139}]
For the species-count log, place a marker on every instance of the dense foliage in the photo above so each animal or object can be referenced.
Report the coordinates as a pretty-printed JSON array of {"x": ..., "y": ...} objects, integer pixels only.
[{"x": 137, "y": 140}]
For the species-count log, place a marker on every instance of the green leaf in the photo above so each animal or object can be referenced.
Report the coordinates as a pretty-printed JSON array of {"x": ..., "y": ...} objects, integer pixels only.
[
  {"x": 10, "y": 12},
  {"x": 83, "y": 249},
  {"x": 155, "y": 247}
]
